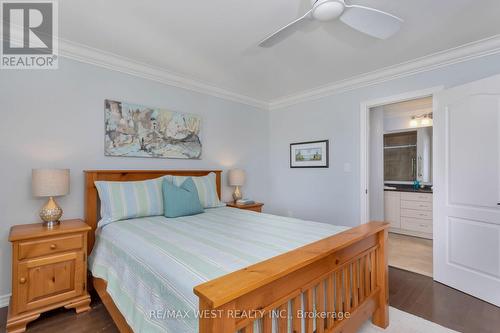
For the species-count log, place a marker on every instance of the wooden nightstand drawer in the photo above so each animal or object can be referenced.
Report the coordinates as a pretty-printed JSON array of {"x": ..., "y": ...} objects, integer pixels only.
[{"x": 37, "y": 248}]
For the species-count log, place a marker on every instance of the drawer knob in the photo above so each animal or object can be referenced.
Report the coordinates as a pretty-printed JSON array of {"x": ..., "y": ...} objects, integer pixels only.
[
  {"x": 53, "y": 246},
  {"x": 22, "y": 280}
]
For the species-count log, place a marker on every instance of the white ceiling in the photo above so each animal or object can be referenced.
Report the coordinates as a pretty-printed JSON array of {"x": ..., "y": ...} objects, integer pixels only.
[{"x": 214, "y": 41}]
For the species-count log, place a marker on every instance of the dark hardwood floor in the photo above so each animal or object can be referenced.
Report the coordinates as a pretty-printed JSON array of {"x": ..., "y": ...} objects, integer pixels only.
[
  {"x": 420, "y": 295},
  {"x": 409, "y": 292},
  {"x": 62, "y": 320}
]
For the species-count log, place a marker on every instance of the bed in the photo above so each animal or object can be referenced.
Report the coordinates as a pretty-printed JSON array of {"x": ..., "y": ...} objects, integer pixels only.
[{"x": 228, "y": 270}]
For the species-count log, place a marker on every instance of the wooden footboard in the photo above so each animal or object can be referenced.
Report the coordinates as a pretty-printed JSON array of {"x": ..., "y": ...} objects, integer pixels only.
[{"x": 333, "y": 285}]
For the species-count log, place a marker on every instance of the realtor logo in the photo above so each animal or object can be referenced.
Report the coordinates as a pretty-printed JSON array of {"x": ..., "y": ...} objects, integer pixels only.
[{"x": 29, "y": 35}]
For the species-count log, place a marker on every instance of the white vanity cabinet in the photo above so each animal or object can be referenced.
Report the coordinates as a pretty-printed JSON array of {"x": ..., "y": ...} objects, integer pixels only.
[
  {"x": 409, "y": 213},
  {"x": 392, "y": 208}
]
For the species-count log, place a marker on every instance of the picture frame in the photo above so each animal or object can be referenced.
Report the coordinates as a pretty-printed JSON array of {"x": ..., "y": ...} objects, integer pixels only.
[
  {"x": 133, "y": 130},
  {"x": 311, "y": 154}
]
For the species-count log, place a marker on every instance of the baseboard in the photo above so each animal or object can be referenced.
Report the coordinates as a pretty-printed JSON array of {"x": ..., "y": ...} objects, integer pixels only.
[{"x": 4, "y": 300}]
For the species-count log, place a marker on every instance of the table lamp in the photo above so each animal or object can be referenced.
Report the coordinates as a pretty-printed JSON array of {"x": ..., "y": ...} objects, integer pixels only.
[
  {"x": 50, "y": 183},
  {"x": 237, "y": 178}
]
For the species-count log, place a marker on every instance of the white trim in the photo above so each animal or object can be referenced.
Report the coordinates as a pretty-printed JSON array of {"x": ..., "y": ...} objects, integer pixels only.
[
  {"x": 89, "y": 55},
  {"x": 364, "y": 176},
  {"x": 4, "y": 300},
  {"x": 407, "y": 96},
  {"x": 437, "y": 60},
  {"x": 365, "y": 136}
]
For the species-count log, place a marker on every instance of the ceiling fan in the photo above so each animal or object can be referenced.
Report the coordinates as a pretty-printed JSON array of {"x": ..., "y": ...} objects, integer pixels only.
[{"x": 370, "y": 21}]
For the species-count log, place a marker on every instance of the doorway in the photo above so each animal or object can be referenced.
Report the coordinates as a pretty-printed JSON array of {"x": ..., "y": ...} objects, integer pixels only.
[{"x": 396, "y": 175}]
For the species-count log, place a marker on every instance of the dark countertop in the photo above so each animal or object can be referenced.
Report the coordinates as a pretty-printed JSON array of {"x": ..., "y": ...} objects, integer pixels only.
[{"x": 409, "y": 188}]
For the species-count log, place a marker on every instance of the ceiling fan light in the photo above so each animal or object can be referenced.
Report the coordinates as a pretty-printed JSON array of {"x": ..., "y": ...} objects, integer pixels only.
[{"x": 327, "y": 10}]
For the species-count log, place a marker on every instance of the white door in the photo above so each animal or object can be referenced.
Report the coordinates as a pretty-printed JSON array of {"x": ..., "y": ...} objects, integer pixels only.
[{"x": 467, "y": 189}]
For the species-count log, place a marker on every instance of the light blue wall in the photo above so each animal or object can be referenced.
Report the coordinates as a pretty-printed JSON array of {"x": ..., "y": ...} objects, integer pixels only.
[
  {"x": 332, "y": 195},
  {"x": 55, "y": 118}
]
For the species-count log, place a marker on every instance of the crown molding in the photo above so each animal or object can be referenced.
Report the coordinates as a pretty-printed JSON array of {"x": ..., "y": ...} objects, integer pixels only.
[
  {"x": 111, "y": 61},
  {"x": 474, "y": 50}
]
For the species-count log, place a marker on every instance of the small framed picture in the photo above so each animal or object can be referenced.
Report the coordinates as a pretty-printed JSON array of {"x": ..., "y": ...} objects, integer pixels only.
[{"x": 312, "y": 154}]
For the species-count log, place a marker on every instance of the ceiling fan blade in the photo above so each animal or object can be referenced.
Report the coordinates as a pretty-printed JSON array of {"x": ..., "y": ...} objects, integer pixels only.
[
  {"x": 370, "y": 21},
  {"x": 284, "y": 32}
]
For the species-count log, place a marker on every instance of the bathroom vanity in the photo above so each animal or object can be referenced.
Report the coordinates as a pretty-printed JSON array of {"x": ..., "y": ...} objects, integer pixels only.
[{"x": 409, "y": 211}]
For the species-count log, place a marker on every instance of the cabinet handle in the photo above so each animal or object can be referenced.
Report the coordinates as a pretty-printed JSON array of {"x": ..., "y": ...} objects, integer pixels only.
[
  {"x": 53, "y": 246},
  {"x": 413, "y": 171},
  {"x": 22, "y": 280},
  {"x": 419, "y": 166}
]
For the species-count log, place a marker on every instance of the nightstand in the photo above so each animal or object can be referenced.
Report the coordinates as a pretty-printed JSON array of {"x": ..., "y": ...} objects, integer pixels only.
[
  {"x": 49, "y": 270},
  {"x": 256, "y": 207}
]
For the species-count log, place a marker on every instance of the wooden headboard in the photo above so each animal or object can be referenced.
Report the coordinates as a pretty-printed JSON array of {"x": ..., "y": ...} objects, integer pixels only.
[{"x": 93, "y": 204}]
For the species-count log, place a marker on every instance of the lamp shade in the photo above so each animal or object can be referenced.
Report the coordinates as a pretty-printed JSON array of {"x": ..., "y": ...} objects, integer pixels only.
[
  {"x": 236, "y": 177},
  {"x": 50, "y": 182}
]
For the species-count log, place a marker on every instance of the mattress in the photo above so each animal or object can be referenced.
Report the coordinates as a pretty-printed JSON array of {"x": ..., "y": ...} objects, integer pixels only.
[{"x": 152, "y": 264}]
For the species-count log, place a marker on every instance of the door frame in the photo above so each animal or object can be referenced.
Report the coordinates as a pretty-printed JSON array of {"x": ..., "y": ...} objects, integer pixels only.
[{"x": 365, "y": 137}]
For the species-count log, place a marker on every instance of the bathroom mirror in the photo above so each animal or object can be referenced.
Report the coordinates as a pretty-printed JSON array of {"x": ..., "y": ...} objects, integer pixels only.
[{"x": 408, "y": 156}]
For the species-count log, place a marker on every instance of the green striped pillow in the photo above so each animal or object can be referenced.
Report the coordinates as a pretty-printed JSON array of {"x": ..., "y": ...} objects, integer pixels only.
[
  {"x": 206, "y": 186},
  {"x": 126, "y": 200}
]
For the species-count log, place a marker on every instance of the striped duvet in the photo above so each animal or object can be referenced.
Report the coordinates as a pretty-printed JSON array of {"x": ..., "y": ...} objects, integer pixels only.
[{"x": 152, "y": 264}]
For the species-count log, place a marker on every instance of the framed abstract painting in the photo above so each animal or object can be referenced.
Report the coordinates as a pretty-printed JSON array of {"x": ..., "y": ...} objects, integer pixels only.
[
  {"x": 312, "y": 154},
  {"x": 133, "y": 130}
]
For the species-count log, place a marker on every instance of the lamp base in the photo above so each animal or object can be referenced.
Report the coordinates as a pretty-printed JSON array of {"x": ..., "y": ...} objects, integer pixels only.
[
  {"x": 237, "y": 194},
  {"x": 51, "y": 213},
  {"x": 51, "y": 224}
]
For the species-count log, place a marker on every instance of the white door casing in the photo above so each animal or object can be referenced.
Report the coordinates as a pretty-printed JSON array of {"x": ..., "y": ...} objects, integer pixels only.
[
  {"x": 365, "y": 136},
  {"x": 467, "y": 189}
]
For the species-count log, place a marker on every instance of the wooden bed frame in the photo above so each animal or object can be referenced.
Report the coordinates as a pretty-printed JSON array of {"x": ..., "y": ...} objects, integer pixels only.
[{"x": 342, "y": 278}]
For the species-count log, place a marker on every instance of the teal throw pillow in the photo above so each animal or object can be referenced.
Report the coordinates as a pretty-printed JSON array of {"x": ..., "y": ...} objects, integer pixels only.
[{"x": 181, "y": 200}]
